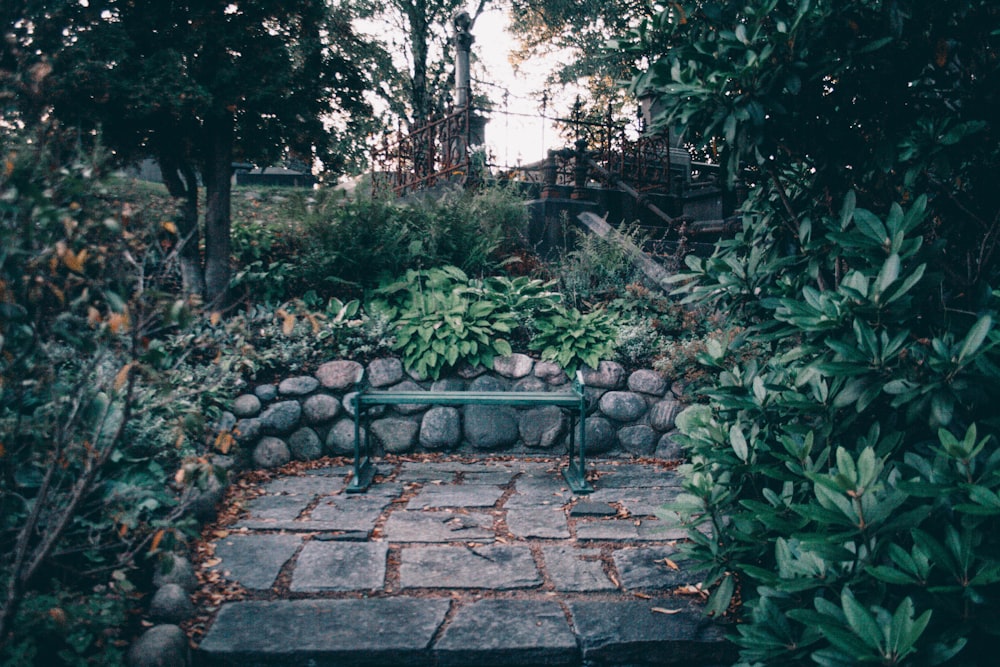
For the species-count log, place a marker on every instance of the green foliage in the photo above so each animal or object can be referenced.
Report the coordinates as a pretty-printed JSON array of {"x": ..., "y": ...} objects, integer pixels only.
[
  {"x": 220, "y": 356},
  {"x": 847, "y": 466},
  {"x": 324, "y": 242},
  {"x": 82, "y": 498},
  {"x": 571, "y": 338},
  {"x": 442, "y": 319},
  {"x": 815, "y": 99},
  {"x": 850, "y": 475},
  {"x": 582, "y": 27},
  {"x": 598, "y": 268},
  {"x": 64, "y": 627}
]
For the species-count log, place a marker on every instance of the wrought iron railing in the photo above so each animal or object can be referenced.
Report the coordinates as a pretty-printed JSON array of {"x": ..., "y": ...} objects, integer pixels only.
[{"x": 428, "y": 155}]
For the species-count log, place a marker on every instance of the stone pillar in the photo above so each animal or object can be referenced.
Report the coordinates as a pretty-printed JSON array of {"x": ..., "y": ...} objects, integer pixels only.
[{"x": 463, "y": 44}]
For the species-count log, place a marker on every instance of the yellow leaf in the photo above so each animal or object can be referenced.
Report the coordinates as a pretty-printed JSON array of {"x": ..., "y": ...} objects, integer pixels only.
[
  {"x": 179, "y": 477},
  {"x": 58, "y": 293},
  {"x": 74, "y": 261},
  {"x": 170, "y": 227},
  {"x": 214, "y": 318},
  {"x": 669, "y": 563},
  {"x": 289, "y": 324},
  {"x": 224, "y": 441},
  {"x": 122, "y": 376},
  {"x": 155, "y": 544},
  {"x": 118, "y": 322},
  {"x": 93, "y": 316},
  {"x": 9, "y": 167}
]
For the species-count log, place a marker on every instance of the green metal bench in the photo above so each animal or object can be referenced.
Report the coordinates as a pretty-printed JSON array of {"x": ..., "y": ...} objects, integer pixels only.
[{"x": 573, "y": 400}]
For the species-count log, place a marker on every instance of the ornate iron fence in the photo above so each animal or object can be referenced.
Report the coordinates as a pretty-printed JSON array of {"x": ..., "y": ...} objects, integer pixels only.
[{"x": 437, "y": 152}]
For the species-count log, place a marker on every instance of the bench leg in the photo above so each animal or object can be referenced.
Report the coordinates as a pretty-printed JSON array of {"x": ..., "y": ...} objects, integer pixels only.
[
  {"x": 364, "y": 469},
  {"x": 575, "y": 473}
]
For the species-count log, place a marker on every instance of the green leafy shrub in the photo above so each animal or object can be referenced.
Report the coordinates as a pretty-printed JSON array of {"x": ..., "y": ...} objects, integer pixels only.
[
  {"x": 221, "y": 356},
  {"x": 850, "y": 474},
  {"x": 83, "y": 500},
  {"x": 357, "y": 244},
  {"x": 287, "y": 244}
]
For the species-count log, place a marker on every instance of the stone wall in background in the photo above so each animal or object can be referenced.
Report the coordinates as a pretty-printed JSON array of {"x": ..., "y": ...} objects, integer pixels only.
[{"x": 309, "y": 416}]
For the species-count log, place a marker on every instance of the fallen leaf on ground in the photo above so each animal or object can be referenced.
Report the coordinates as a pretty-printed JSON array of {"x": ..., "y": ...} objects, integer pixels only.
[
  {"x": 690, "y": 590},
  {"x": 669, "y": 563},
  {"x": 661, "y": 610}
]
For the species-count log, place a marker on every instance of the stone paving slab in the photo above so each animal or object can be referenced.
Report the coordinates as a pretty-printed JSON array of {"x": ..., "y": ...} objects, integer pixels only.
[
  {"x": 540, "y": 522},
  {"x": 332, "y": 471},
  {"x": 576, "y": 570},
  {"x": 439, "y": 526},
  {"x": 340, "y": 566},
  {"x": 498, "y": 568},
  {"x": 456, "y": 496},
  {"x": 325, "y": 632},
  {"x": 649, "y": 568},
  {"x": 543, "y": 482},
  {"x": 636, "y": 476},
  {"x": 490, "y": 633},
  {"x": 299, "y": 526},
  {"x": 255, "y": 560},
  {"x": 277, "y": 508},
  {"x": 311, "y": 485},
  {"x": 424, "y": 473},
  {"x": 632, "y": 633},
  {"x": 625, "y": 530},
  {"x": 592, "y": 507},
  {"x": 489, "y": 477},
  {"x": 535, "y": 499},
  {"x": 645, "y": 501},
  {"x": 352, "y": 513}
]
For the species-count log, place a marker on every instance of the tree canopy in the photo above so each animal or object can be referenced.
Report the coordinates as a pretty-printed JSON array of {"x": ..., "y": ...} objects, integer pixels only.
[
  {"x": 582, "y": 30},
  {"x": 417, "y": 79},
  {"x": 889, "y": 99},
  {"x": 195, "y": 85}
]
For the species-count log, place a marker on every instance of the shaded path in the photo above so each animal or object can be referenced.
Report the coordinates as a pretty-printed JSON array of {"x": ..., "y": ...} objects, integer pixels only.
[{"x": 458, "y": 563}]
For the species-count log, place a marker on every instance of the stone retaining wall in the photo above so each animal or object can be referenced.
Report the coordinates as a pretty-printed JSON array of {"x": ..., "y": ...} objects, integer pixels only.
[{"x": 310, "y": 416}]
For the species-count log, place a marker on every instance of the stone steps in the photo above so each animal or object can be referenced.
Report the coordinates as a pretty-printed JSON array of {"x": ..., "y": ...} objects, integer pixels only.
[{"x": 414, "y": 631}]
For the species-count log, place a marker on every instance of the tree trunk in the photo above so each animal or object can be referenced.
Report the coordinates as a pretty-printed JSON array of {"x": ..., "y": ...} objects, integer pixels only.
[
  {"x": 217, "y": 174},
  {"x": 417, "y": 16},
  {"x": 182, "y": 184}
]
